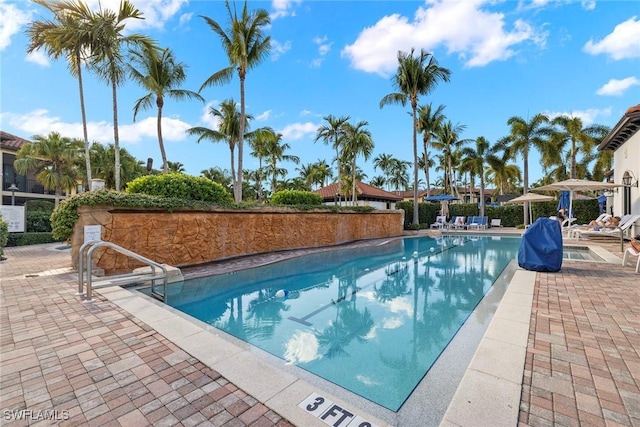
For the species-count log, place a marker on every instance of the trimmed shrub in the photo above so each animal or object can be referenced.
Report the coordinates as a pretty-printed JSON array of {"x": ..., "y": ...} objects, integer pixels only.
[
  {"x": 427, "y": 213},
  {"x": 296, "y": 198},
  {"x": 4, "y": 235},
  {"x": 38, "y": 221},
  {"x": 39, "y": 206},
  {"x": 24, "y": 239},
  {"x": 180, "y": 186}
]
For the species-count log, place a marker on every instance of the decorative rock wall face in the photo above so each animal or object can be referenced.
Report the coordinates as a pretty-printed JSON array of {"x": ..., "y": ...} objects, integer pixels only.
[{"x": 190, "y": 237}]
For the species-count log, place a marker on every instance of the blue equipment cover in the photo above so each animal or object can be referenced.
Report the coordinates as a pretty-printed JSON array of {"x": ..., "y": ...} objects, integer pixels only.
[{"x": 541, "y": 246}]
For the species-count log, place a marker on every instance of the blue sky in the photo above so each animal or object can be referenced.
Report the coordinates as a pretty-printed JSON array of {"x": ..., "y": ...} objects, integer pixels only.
[{"x": 506, "y": 58}]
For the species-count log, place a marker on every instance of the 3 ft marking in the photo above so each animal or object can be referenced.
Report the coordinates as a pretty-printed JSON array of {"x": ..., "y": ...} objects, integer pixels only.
[{"x": 332, "y": 414}]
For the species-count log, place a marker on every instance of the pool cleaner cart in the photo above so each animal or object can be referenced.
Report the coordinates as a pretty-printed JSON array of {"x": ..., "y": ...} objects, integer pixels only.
[{"x": 541, "y": 246}]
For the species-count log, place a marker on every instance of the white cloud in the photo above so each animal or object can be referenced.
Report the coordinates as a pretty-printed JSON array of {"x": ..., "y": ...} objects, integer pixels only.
[
  {"x": 617, "y": 87},
  {"x": 282, "y": 8},
  {"x": 12, "y": 19},
  {"x": 525, "y": 4},
  {"x": 41, "y": 122},
  {"x": 622, "y": 43},
  {"x": 323, "y": 49},
  {"x": 264, "y": 116},
  {"x": 37, "y": 57},
  {"x": 462, "y": 27},
  {"x": 588, "y": 116},
  {"x": 305, "y": 113},
  {"x": 277, "y": 49},
  {"x": 206, "y": 119},
  {"x": 298, "y": 130},
  {"x": 184, "y": 18}
]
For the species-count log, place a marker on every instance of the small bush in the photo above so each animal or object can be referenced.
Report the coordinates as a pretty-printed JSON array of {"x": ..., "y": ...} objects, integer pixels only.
[
  {"x": 180, "y": 186},
  {"x": 24, "y": 239},
  {"x": 296, "y": 198},
  {"x": 4, "y": 235}
]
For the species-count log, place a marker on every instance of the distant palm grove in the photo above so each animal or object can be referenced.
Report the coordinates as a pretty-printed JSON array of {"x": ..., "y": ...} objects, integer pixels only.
[{"x": 96, "y": 42}]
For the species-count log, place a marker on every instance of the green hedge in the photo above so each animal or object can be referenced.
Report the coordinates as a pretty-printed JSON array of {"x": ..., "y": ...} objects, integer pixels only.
[
  {"x": 38, "y": 221},
  {"x": 180, "y": 186},
  {"x": 511, "y": 215},
  {"x": 39, "y": 205},
  {"x": 296, "y": 197},
  {"x": 4, "y": 235},
  {"x": 23, "y": 239}
]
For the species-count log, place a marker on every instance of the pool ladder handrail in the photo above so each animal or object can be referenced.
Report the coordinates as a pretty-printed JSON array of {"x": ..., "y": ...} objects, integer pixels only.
[{"x": 86, "y": 251}]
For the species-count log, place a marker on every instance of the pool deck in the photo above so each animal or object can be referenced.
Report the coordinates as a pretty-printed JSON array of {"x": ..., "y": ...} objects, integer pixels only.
[{"x": 566, "y": 345}]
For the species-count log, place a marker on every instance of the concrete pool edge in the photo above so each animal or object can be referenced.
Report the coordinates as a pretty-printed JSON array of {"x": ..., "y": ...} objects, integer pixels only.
[{"x": 490, "y": 391}]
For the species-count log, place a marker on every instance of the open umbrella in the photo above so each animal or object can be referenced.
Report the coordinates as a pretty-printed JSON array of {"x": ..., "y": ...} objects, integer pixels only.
[
  {"x": 572, "y": 185},
  {"x": 531, "y": 197}
]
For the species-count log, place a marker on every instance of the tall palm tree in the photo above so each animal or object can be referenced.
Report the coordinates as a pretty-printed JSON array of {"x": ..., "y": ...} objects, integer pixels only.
[
  {"x": 275, "y": 153},
  {"x": 332, "y": 133},
  {"x": 384, "y": 162},
  {"x": 158, "y": 72},
  {"x": 429, "y": 121},
  {"x": 54, "y": 159},
  {"x": 219, "y": 175},
  {"x": 398, "y": 175},
  {"x": 67, "y": 34},
  {"x": 475, "y": 160},
  {"x": 228, "y": 119},
  {"x": 525, "y": 135},
  {"x": 448, "y": 142},
  {"x": 246, "y": 47},
  {"x": 109, "y": 57},
  {"x": 416, "y": 75},
  {"x": 357, "y": 142},
  {"x": 504, "y": 176},
  {"x": 581, "y": 139}
]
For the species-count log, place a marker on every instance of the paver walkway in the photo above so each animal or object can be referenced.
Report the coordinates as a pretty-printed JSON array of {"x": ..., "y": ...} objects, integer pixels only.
[
  {"x": 68, "y": 363},
  {"x": 94, "y": 364},
  {"x": 583, "y": 357}
]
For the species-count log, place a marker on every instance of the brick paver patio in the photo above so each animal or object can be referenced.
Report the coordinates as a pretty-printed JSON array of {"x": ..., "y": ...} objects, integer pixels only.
[
  {"x": 94, "y": 364},
  {"x": 68, "y": 363}
]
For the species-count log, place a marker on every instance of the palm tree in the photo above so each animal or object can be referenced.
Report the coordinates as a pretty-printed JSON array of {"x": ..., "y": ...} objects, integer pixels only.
[
  {"x": 378, "y": 181},
  {"x": 67, "y": 34},
  {"x": 384, "y": 162},
  {"x": 103, "y": 164},
  {"x": 448, "y": 142},
  {"x": 398, "y": 175},
  {"x": 333, "y": 133},
  {"x": 429, "y": 121},
  {"x": 246, "y": 47},
  {"x": 176, "y": 167},
  {"x": 275, "y": 153},
  {"x": 524, "y": 136},
  {"x": 582, "y": 139},
  {"x": 160, "y": 74},
  {"x": 54, "y": 159},
  {"x": 228, "y": 120},
  {"x": 475, "y": 160},
  {"x": 219, "y": 175},
  {"x": 357, "y": 141},
  {"x": 415, "y": 76},
  {"x": 504, "y": 176},
  {"x": 108, "y": 59}
]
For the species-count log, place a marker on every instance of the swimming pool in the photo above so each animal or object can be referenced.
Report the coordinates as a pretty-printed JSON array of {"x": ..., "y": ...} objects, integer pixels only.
[{"x": 372, "y": 321}]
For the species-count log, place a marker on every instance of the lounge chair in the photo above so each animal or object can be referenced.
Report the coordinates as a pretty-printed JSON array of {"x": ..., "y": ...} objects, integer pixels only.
[
  {"x": 496, "y": 222},
  {"x": 608, "y": 233},
  {"x": 457, "y": 222},
  {"x": 574, "y": 231},
  {"x": 479, "y": 222},
  {"x": 600, "y": 220},
  {"x": 441, "y": 221},
  {"x": 631, "y": 252}
]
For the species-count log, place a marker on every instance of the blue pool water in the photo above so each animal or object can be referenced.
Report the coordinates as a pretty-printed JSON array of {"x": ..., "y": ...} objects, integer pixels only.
[{"x": 371, "y": 320}]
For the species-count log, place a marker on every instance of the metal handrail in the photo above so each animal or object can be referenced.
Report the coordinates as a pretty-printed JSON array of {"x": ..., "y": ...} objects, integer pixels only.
[{"x": 87, "y": 249}]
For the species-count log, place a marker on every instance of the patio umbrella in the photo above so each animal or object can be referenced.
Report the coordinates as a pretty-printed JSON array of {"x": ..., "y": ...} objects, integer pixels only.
[
  {"x": 531, "y": 197},
  {"x": 444, "y": 200},
  {"x": 564, "y": 203},
  {"x": 572, "y": 185}
]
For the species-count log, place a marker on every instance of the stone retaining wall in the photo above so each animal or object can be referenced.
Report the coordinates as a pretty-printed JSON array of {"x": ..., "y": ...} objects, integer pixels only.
[{"x": 194, "y": 237}]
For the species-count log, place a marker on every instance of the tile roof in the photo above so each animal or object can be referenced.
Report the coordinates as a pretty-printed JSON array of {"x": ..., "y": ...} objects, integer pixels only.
[
  {"x": 363, "y": 190},
  {"x": 11, "y": 142},
  {"x": 626, "y": 127}
]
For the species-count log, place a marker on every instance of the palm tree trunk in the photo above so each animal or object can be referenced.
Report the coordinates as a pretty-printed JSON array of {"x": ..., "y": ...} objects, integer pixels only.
[
  {"x": 57, "y": 195},
  {"x": 573, "y": 159},
  {"x": 426, "y": 168},
  {"x": 237, "y": 188},
  {"x": 165, "y": 165},
  {"x": 87, "y": 157},
  {"x": 233, "y": 168},
  {"x": 416, "y": 219},
  {"x": 525, "y": 155},
  {"x": 353, "y": 184},
  {"x": 116, "y": 137},
  {"x": 481, "y": 194}
]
